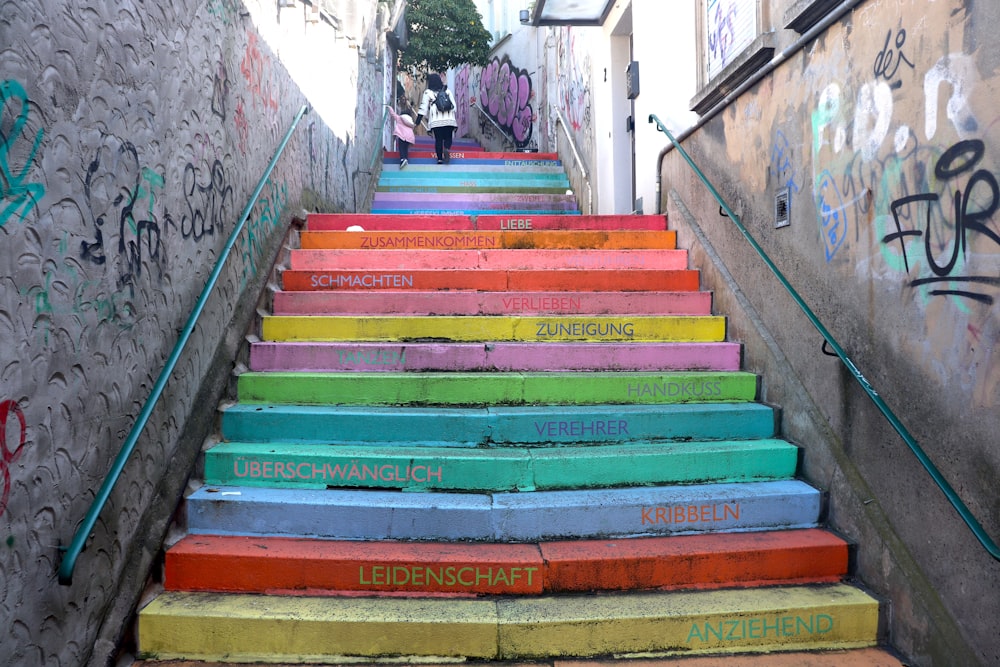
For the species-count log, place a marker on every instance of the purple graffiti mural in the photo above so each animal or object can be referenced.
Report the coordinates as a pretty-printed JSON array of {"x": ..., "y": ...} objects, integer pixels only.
[{"x": 505, "y": 94}]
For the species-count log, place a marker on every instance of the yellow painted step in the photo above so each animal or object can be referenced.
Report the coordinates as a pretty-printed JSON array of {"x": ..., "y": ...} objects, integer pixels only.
[
  {"x": 495, "y": 328},
  {"x": 273, "y": 628}
]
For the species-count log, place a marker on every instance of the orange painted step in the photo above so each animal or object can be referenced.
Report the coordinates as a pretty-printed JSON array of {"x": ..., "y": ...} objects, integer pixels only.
[
  {"x": 583, "y": 280},
  {"x": 696, "y": 561},
  {"x": 272, "y": 564},
  {"x": 482, "y": 240}
]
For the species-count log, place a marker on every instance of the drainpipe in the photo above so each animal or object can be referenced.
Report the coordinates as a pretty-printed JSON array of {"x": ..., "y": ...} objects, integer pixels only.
[{"x": 791, "y": 50}]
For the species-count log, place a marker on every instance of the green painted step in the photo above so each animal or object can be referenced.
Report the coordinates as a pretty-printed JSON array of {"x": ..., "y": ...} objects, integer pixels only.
[
  {"x": 240, "y": 627},
  {"x": 529, "y": 187},
  {"x": 296, "y": 465},
  {"x": 553, "y": 328},
  {"x": 495, "y": 388}
]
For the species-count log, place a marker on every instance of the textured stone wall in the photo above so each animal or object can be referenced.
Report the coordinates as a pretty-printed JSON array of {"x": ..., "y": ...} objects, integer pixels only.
[
  {"x": 884, "y": 133},
  {"x": 131, "y": 138}
]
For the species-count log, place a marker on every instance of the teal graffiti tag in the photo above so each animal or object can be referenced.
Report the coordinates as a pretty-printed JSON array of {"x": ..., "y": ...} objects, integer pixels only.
[{"x": 17, "y": 198}]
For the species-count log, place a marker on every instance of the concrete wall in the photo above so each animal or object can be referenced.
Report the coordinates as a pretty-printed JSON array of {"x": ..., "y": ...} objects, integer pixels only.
[
  {"x": 131, "y": 138},
  {"x": 884, "y": 132}
]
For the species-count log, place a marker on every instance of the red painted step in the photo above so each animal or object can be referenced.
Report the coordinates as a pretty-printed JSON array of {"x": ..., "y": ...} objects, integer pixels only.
[
  {"x": 271, "y": 564},
  {"x": 582, "y": 280},
  {"x": 381, "y": 222}
]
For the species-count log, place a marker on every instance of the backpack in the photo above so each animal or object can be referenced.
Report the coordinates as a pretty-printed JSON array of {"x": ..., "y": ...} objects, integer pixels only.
[{"x": 442, "y": 101}]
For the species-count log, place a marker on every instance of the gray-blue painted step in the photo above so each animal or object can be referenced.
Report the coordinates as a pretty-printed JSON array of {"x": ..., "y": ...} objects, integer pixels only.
[{"x": 503, "y": 517}]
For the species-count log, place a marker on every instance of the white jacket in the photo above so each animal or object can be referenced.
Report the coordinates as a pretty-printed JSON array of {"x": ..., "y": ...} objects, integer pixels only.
[{"x": 429, "y": 110}]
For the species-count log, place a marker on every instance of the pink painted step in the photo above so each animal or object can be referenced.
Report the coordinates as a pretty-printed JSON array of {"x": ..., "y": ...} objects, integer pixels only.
[
  {"x": 341, "y": 221},
  {"x": 523, "y": 222},
  {"x": 469, "y": 302},
  {"x": 420, "y": 357},
  {"x": 506, "y": 259}
]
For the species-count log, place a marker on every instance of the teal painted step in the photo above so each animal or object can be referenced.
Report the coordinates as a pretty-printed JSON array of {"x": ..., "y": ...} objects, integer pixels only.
[
  {"x": 519, "y": 188},
  {"x": 283, "y": 465},
  {"x": 495, "y": 388},
  {"x": 476, "y": 179},
  {"x": 498, "y": 426},
  {"x": 503, "y": 517},
  {"x": 470, "y": 167}
]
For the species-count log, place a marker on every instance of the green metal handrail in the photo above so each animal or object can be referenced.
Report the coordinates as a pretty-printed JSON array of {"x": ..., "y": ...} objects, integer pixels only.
[
  {"x": 949, "y": 492},
  {"x": 71, "y": 553}
]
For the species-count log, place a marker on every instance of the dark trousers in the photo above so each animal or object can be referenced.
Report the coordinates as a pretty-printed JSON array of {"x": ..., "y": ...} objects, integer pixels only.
[
  {"x": 404, "y": 149},
  {"x": 442, "y": 139}
]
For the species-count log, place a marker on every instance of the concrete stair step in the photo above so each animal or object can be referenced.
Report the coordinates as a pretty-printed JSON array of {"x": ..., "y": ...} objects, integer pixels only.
[
  {"x": 502, "y": 517},
  {"x": 497, "y": 426},
  {"x": 398, "y": 222},
  {"x": 489, "y": 280},
  {"x": 579, "y": 239},
  {"x": 471, "y": 302},
  {"x": 208, "y": 626},
  {"x": 492, "y": 389},
  {"x": 299, "y": 465},
  {"x": 468, "y": 357},
  {"x": 291, "y": 566}
]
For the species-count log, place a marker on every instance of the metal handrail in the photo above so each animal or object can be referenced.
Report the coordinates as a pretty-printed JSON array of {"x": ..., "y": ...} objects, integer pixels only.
[
  {"x": 494, "y": 123},
  {"x": 942, "y": 483},
  {"x": 72, "y": 552},
  {"x": 560, "y": 121}
]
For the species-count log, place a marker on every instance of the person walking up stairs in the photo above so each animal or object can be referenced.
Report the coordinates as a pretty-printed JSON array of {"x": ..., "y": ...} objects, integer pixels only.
[{"x": 486, "y": 427}]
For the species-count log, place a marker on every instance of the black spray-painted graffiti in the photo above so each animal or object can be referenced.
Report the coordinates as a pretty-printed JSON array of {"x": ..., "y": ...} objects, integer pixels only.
[
  {"x": 220, "y": 90},
  {"x": 505, "y": 94},
  {"x": 10, "y": 417},
  {"x": 115, "y": 187},
  {"x": 983, "y": 191},
  {"x": 208, "y": 205},
  {"x": 888, "y": 59},
  {"x": 17, "y": 198}
]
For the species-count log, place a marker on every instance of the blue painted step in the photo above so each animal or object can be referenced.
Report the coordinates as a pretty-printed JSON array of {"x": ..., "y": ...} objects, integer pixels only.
[{"x": 503, "y": 517}]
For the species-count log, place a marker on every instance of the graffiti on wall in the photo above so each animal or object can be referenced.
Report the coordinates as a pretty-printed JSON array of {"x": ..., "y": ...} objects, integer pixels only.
[
  {"x": 257, "y": 70},
  {"x": 18, "y": 149},
  {"x": 574, "y": 82},
  {"x": 464, "y": 99},
  {"x": 941, "y": 233},
  {"x": 121, "y": 191},
  {"x": 265, "y": 217},
  {"x": 930, "y": 203},
  {"x": 731, "y": 25},
  {"x": 505, "y": 94},
  {"x": 13, "y": 435}
]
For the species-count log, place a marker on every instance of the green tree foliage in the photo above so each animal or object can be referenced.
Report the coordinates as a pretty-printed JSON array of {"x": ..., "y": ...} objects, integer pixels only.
[{"x": 444, "y": 34}]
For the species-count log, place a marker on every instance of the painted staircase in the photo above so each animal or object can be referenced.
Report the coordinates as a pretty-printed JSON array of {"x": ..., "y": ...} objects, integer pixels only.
[{"x": 486, "y": 427}]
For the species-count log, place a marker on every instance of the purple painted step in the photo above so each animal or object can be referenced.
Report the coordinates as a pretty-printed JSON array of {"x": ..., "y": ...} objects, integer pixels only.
[{"x": 419, "y": 357}]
